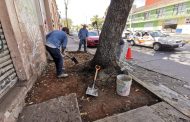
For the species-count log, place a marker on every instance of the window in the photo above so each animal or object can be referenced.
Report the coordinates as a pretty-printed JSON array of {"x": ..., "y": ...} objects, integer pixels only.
[
  {"x": 160, "y": 12},
  {"x": 187, "y": 21},
  {"x": 138, "y": 34},
  {"x": 145, "y": 34},
  {"x": 157, "y": 34},
  {"x": 146, "y": 15},
  {"x": 92, "y": 34},
  {"x": 179, "y": 9},
  {"x": 134, "y": 17}
]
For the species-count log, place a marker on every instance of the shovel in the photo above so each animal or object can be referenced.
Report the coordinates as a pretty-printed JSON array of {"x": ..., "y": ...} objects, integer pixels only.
[
  {"x": 91, "y": 90},
  {"x": 72, "y": 58}
]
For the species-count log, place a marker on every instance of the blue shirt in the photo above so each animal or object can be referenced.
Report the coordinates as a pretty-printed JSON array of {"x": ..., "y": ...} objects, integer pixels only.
[
  {"x": 83, "y": 33},
  {"x": 57, "y": 38}
]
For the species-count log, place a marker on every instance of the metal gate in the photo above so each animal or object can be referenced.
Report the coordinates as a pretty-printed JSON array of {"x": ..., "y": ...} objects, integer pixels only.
[{"x": 8, "y": 76}]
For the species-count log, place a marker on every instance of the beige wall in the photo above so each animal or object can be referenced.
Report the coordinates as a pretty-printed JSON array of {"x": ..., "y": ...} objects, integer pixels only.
[
  {"x": 43, "y": 15},
  {"x": 57, "y": 19},
  {"x": 27, "y": 36},
  {"x": 54, "y": 13}
]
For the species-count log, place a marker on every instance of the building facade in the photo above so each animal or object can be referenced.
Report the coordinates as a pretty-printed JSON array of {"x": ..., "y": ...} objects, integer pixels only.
[
  {"x": 23, "y": 26},
  {"x": 169, "y": 15},
  {"x": 52, "y": 12}
]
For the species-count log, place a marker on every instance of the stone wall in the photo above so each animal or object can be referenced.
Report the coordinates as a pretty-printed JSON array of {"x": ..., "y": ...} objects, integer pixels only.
[
  {"x": 29, "y": 38},
  {"x": 24, "y": 38}
]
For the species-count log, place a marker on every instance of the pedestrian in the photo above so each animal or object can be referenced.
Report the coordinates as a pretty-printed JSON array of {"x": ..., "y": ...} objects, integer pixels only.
[
  {"x": 83, "y": 34},
  {"x": 56, "y": 42},
  {"x": 119, "y": 49}
]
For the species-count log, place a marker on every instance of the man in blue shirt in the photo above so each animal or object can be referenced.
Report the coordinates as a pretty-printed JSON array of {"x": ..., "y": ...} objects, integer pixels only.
[
  {"x": 56, "y": 40},
  {"x": 83, "y": 34}
]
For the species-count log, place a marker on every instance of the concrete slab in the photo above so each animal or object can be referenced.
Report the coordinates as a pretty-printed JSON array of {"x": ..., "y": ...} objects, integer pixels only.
[
  {"x": 14, "y": 101},
  {"x": 158, "y": 85},
  {"x": 143, "y": 114},
  {"x": 62, "y": 109},
  {"x": 168, "y": 113}
]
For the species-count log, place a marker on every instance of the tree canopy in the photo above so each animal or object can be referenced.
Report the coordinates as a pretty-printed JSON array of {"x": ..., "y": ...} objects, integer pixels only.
[
  {"x": 64, "y": 22},
  {"x": 99, "y": 20}
]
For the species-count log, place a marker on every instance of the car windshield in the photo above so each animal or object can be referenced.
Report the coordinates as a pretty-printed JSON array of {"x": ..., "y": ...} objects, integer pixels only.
[
  {"x": 92, "y": 34},
  {"x": 157, "y": 34}
]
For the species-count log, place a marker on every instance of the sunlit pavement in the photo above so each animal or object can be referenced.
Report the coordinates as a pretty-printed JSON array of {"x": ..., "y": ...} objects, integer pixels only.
[
  {"x": 179, "y": 55},
  {"x": 174, "y": 63}
]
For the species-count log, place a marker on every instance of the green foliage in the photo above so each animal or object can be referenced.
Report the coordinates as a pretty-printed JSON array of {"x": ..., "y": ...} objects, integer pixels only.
[
  {"x": 100, "y": 21},
  {"x": 76, "y": 28},
  {"x": 64, "y": 23}
]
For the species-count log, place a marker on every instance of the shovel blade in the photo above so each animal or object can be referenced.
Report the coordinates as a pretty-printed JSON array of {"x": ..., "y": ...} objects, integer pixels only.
[
  {"x": 74, "y": 60},
  {"x": 92, "y": 91}
]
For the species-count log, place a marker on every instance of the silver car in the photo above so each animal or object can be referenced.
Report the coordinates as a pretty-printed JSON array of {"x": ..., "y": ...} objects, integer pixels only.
[{"x": 157, "y": 40}]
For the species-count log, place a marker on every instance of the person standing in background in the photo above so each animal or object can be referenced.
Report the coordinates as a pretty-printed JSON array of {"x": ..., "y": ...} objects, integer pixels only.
[
  {"x": 119, "y": 49},
  {"x": 83, "y": 34}
]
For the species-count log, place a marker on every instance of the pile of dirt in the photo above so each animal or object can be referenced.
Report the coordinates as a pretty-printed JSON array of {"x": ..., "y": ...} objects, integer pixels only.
[{"x": 91, "y": 108}]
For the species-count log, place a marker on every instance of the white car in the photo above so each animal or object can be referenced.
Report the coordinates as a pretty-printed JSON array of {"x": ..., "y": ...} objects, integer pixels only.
[{"x": 156, "y": 39}]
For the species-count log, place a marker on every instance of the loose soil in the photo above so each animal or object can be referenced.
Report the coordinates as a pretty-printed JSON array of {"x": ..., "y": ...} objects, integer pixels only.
[{"x": 92, "y": 108}]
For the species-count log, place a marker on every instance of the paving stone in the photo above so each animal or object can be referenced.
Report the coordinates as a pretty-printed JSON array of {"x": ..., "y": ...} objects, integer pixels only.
[
  {"x": 143, "y": 114},
  {"x": 62, "y": 109},
  {"x": 169, "y": 113}
]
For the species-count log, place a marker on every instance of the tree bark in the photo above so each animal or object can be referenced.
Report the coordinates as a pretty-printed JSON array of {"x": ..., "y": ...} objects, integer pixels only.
[{"x": 113, "y": 27}]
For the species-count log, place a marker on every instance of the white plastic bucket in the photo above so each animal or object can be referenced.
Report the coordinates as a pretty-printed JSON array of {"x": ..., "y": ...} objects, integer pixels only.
[{"x": 123, "y": 84}]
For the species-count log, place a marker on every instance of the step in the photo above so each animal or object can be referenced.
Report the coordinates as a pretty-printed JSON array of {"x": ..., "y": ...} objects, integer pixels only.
[
  {"x": 168, "y": 113},
  {"x": 142, "y": 114},
  {"x": 160, "y": 112},
  {"x": 61, "y": 109}
]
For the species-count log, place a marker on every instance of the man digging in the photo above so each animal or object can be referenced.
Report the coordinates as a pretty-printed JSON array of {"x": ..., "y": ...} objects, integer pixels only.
[{"x": 56, "y": 40}]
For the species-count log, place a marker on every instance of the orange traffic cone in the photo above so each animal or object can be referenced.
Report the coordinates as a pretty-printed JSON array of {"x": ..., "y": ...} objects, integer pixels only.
[{"x": 128, "y": 54}]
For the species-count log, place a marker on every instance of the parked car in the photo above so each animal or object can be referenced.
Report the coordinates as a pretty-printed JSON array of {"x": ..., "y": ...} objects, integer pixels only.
[
  {"x": 156, "y": 39},
  {"x": 93, "y": 39}
]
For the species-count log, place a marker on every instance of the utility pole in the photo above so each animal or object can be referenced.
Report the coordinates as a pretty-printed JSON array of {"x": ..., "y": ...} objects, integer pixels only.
[
  {"x": 131, "y": 13},
  {"x": 66, "y": 9}
]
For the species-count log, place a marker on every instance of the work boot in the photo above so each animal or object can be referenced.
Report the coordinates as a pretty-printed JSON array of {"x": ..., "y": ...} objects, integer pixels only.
[{"x": 63, "y": 75}]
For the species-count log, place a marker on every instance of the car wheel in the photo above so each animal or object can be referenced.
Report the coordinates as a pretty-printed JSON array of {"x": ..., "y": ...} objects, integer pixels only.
[
  {"x": 157, "y": 46},
  {"x": 132, "y": 42}
]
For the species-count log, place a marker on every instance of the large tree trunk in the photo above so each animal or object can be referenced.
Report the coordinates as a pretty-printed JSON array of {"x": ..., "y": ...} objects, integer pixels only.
[{"x": 113, "y": 27}]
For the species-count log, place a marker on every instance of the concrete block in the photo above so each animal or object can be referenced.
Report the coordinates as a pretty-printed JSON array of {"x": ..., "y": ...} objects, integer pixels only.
[
  {"x": 61, "y": 109},
  {"x": 143, "y": 114},
  {"x": 168, "y": 113},
  {"x": 13, "y": 102}
]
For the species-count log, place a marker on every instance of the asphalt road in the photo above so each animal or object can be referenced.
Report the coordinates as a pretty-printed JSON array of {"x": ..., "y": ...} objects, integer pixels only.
[{"x": 174, "y": 63}]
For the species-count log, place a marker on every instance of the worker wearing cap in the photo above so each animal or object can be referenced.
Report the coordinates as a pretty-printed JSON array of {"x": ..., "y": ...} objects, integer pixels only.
[
  {"x": 56, "y": 40},
  {"x": 83, "y": 34}
]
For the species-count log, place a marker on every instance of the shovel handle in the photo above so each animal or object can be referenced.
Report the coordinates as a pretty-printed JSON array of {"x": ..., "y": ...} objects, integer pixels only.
[{"x": 97, "y": 69}]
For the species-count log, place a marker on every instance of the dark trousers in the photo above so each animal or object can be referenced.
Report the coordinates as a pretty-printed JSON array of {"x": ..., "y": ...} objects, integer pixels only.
[
  {"x": 82, "y": 42},
  {"x": 57, "y": 57}
]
